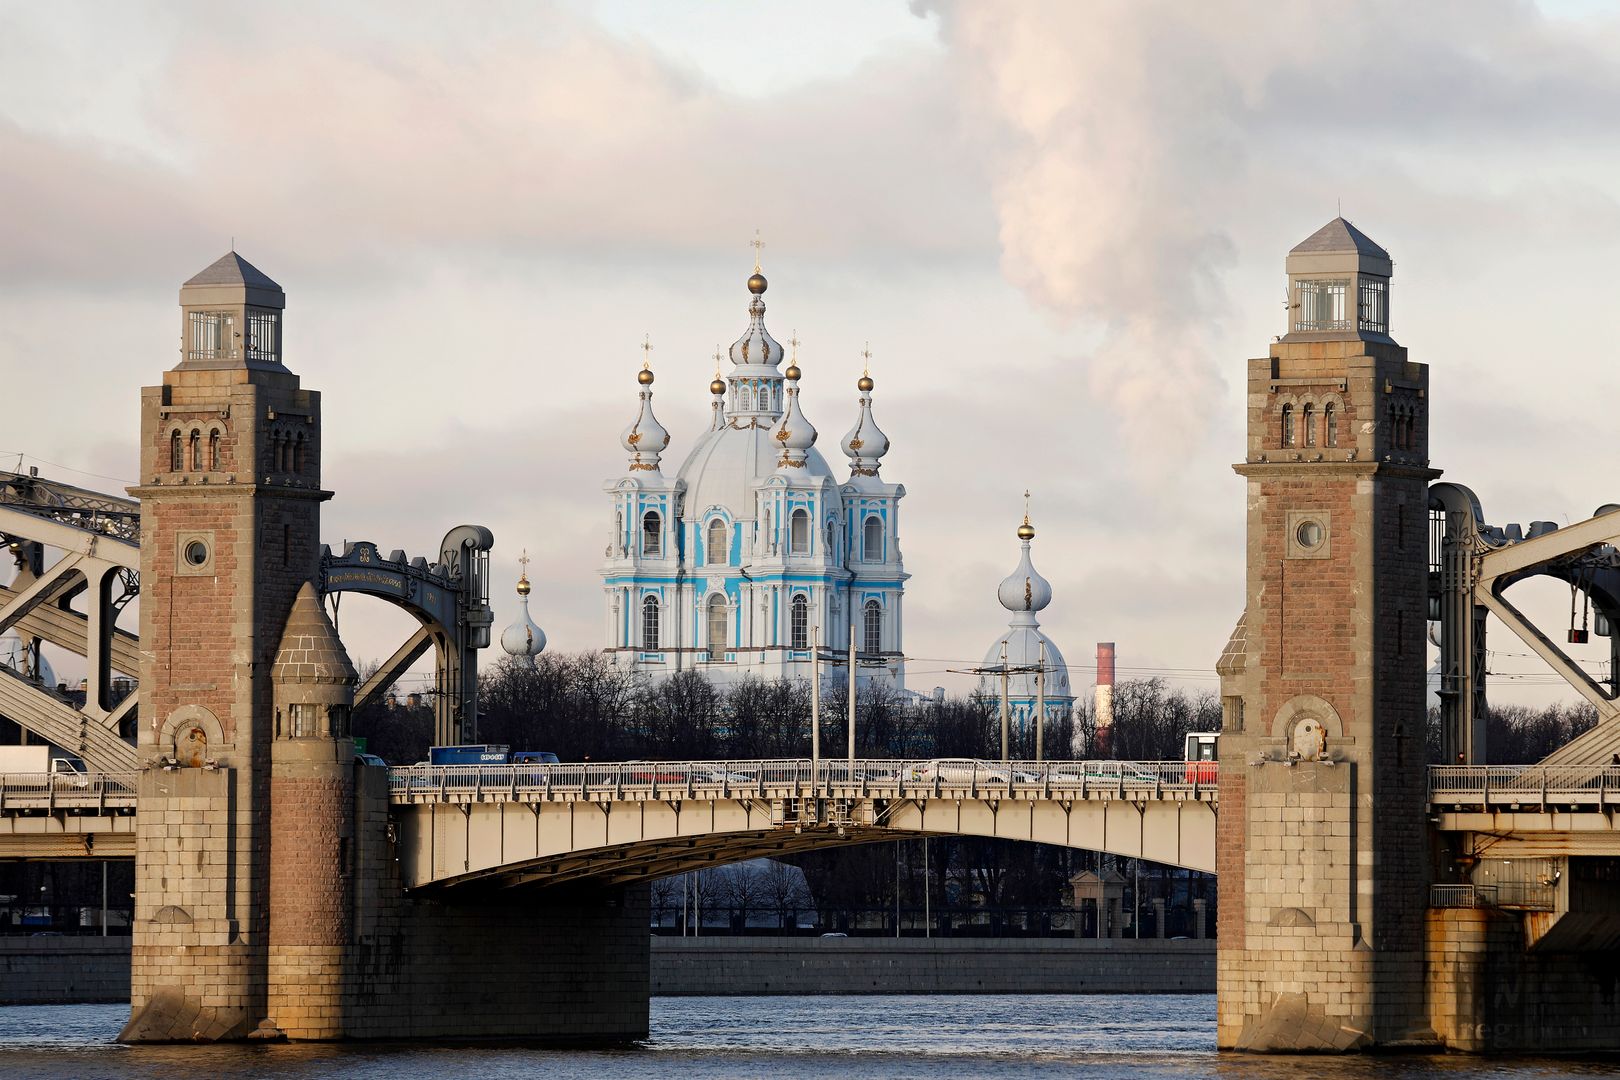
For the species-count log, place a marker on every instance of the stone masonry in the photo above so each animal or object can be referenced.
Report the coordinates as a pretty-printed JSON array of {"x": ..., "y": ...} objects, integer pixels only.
[{"x": 1321, "y": 838}]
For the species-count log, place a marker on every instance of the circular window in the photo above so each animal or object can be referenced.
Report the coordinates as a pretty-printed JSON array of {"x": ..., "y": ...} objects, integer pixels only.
[
  {"x": 197, "y": 553},
  {"x": 1309, "y": 534}
]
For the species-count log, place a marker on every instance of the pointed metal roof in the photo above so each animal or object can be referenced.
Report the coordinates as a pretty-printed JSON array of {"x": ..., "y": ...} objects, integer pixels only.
[
  {"x": 232, "y": 269},
  {"x": 1336, "y": 236}
]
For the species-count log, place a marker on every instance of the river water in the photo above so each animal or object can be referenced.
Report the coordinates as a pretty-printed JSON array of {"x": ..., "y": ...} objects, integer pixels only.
[{"x": 1135, "y": 1036}]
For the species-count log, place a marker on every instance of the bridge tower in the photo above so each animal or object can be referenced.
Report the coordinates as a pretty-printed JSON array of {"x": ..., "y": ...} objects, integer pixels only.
[
  {"x": 1321, "y": 836},
  {"x": 230, "y": 501}
]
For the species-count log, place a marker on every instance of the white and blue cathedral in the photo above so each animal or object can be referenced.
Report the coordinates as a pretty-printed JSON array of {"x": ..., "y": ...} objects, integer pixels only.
[{"x": 753, "y": 551}]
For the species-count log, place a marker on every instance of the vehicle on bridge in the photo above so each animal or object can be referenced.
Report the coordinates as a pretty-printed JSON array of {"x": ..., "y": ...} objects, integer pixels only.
[
  {"x": 1203, "y": 756},
  {"x": 63, "y": 771},
  {"x": 472, "y": 754}
]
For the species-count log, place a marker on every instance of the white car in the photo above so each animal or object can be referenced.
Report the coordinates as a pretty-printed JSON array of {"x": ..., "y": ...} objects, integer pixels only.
[{"x": 957, "y": 771}]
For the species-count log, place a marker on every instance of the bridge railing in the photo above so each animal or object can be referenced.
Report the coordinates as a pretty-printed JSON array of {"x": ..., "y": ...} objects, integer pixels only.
[
  {"x": 1499, "y": 786},
  {"x": 32, "y": 790},
  {"x": 792, "y": 777}
]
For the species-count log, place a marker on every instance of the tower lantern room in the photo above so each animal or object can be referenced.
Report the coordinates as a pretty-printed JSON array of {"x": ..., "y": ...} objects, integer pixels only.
[
  {"x": 231, "y": 317},
  {"x": 1338, "y": 286}
]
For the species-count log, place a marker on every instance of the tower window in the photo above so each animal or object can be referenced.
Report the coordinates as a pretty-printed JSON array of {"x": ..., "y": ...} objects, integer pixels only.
[
  {"x": 196, "y": 451},
  {"x": 872, "y": 546},
  {"x": 212, "y": 334},
  {"x": 177, "y": 453},
  {"x": 1374, "y": 311},
  {"x": 213, "y": 451},
  {"x": 1307, "y": 419},
  {"x": 873, "y": 627},
  {"x": 799, "y": 527},
  {"x": 1323, "y": 305},
  {"x": 1330, "y": 424},
  {"x": 717, "y": 627},
  {"x": 1287, "y": 425},
  {"x": 298, "y": 455},
  {"x": 651, "y": 533},
  {"x": 717, "y": 553},
  {"x": 799, "y": 623},
  {"x": 264, "y": 340},
  {"x": 649, "y": 623}
]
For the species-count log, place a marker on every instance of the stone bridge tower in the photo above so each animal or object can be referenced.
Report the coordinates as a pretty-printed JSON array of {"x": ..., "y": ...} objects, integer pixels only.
[
  {"x": 230, "y": 503},
  {"x": 1322, "y": 841}
]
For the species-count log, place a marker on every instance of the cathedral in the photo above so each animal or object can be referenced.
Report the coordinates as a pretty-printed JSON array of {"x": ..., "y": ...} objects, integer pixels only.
[{"x": 753, "y": 553}]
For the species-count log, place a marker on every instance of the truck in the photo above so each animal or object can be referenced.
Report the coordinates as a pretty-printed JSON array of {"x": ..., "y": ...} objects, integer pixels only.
[
  {"x": 473, "y": 754},
  {"x": 64, "y": 771}
]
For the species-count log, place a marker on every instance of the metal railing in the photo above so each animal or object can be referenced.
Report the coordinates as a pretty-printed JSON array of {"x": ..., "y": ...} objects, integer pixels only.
[
  {"x": 1137, "y": 780},
  {"x": 34, "y": 791},
  {"x": 1463, "y": 896},
  {"x": 1524, "y": 785}
]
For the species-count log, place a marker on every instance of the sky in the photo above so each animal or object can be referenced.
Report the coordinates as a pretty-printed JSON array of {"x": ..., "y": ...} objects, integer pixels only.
[{"x": 1061, "y": 228}]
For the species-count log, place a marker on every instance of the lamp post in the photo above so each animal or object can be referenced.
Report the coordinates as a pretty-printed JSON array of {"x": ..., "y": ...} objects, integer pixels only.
[
  {"x": 1004, "y": 757},
  {"x": 1040, "y": 703},
  {"x": 815, "y": 703}
]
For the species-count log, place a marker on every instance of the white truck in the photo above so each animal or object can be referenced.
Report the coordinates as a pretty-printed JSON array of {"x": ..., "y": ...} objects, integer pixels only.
[{"x": 62, "y": 770}]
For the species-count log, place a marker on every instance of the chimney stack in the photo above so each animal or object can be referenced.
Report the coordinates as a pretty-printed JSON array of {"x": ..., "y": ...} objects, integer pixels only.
[{"x": 1104, "y": 701}]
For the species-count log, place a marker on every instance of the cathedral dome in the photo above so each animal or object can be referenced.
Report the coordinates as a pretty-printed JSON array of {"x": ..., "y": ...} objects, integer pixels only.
[
  {"x": 756, "y": 348},
  {"x": 725, "y": 468},
  {"x": 523, "y": 640},
  {"x": 1024, "y": 589}
]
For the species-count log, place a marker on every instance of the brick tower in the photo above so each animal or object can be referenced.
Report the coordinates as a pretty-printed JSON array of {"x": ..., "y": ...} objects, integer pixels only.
[
  {"x": 230, "y": 504},
  {"x": 1321, "y": 836}
]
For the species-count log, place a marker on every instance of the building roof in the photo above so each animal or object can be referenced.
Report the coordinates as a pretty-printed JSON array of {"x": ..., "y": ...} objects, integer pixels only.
[
  {"x": 1337, "y": 236},
  {"x": 310, "y": 650},
  {"x": 232, "y": 269}
]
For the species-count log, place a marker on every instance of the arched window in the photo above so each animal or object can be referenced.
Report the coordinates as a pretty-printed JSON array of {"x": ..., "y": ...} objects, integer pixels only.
[
  {"x": 718, "y": 552},
  {"x": 1307, "y": 417},
  {"x": 832, "y": 537},
  {"x": 717, "y": 627},
  {"x": 872, "y": 546},
  {"x": 1288, "y": 425},
  {"x": 800, "y": 529},
  {"x": 298, "y": 455},
  {"x": 1330, "y": 425},
  {"x": 799, "y": 624},
  {"x": 177, "y": 453},
  {"x": 213, "y": 451},
  {"x": 651, "y": 533},
  {"x": 873, "y": 637},
  {"x": 196, "y": 451},
  {"x": 618, "y": 531},
  {"x": 649, "y": 623},
  {"x": 747, "y": 400}
]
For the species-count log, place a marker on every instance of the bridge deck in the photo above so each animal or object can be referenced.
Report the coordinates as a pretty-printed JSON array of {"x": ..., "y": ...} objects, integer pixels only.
[{"x": 49, "y": 817}]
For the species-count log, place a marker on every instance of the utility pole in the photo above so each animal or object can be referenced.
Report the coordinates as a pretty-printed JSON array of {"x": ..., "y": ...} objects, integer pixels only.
[
  {"x": 1040, "y": 703},
  {"x": 815, "y": 703},
  {"x": 1004, "y": 758},
  {"x": 851, "y": 776}
]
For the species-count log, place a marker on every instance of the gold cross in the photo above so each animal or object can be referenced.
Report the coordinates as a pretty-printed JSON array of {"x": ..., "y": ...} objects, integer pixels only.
[
  {"x": 646, "y": 351},
  {"x": 1026, "y": 506},
  {"x": 524, "y": 560},
  {"x": 794, "y": 341},
  {"x": 866, "y": 354},
  {"x": 756, "y": 244},
  {"x": 717, "y": 361}
]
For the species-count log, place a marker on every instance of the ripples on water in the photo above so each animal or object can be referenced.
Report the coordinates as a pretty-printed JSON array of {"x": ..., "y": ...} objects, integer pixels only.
[{"x": 1165, "y": 1036}]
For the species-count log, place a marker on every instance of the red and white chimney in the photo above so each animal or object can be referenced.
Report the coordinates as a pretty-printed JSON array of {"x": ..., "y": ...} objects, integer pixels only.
[{"x": 1104, "y": 701}]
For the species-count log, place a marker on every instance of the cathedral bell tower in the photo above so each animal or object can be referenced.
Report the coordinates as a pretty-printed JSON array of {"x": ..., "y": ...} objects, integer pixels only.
[
  {"x": 1321, "y": 848},
  {"x": 230, "y": 506}
]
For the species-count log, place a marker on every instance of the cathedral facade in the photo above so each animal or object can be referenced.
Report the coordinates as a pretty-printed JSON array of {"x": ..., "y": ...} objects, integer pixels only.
[{"x": 754, "y": 554}]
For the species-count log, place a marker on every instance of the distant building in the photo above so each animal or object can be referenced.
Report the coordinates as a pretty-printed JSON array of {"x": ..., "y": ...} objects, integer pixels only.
[
  {"x": 1033, "y": 664},
  {"x": 738, "y": 563}
]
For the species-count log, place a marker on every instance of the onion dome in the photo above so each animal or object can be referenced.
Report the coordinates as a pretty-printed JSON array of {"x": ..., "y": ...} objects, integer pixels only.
[
  {"x": 1024, "y": 590},
  {"x": 865, "y": 444},
  {"x": 523, "y": 640},
  {"x": 793, "y": 434},
  {"x": 756, "y": 348},
  {"x": 718, "y": 389},
  {"x": 645, "y": 439}
]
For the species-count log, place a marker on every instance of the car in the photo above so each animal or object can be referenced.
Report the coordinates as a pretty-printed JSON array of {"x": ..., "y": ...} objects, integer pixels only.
[
  {"x": 535, "y": 757},
  {"x": 370, "y": 759},
  {"x": 957, "y": 771},
  {"x": 832, "y": 934}
]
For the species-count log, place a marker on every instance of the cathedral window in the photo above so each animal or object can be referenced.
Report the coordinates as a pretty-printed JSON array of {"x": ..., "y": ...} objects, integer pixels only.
[
  {"x": 800, "y": 622},
  {"x": 1307, "y": 420},
  {"x": 800, "y": 530},
  {"x": 832, "y": 537},
  {"x": 873, "y": 626},
  {"x": 649, "y": 623},
  {"x": 872, "y": 546},
  {"x": 1287, "y": 425},
  {"x": 747, "y": 400},
  {"x": 1323, "y": 305},
  {"x": 717, "y": 628},
  {"x": 717, "y": 553},
  {"x": 651, "y": 533},
  {"x": 1330, "y": 424},
  {"x": 177, "y": 453}
]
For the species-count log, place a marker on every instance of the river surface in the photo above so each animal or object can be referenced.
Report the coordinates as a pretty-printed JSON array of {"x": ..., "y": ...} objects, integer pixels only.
[{"x": 1116, "y": 1035}]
